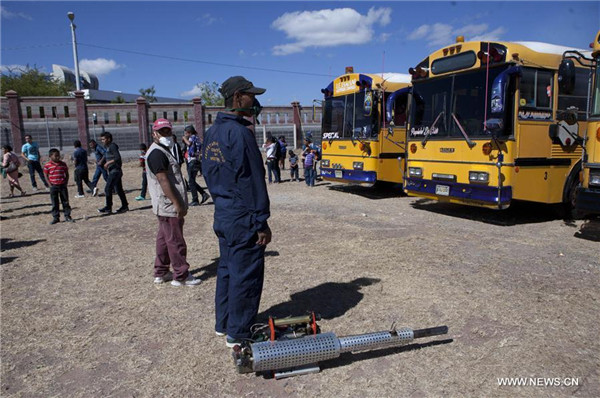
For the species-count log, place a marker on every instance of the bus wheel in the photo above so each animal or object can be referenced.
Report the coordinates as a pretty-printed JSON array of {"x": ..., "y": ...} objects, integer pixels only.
[{"x": 569, "y": 206}]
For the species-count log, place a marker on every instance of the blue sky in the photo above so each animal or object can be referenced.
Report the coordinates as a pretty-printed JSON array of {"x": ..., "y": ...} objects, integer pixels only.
[{"x": 303, "y": 44}]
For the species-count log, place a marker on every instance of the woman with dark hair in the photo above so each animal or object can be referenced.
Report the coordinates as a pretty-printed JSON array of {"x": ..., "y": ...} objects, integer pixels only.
[{"x": 10, "y": 164}]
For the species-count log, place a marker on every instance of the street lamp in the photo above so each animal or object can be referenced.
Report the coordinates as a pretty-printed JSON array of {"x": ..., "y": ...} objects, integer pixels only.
[{"x": 77, "y": 80}]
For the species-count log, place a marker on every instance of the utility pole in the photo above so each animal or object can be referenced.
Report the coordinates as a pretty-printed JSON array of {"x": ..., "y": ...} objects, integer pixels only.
[{"x": 71, "y": 17}]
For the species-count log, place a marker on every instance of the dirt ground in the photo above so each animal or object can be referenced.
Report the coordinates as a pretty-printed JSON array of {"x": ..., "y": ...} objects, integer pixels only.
[{"x": 519, "y": 291}]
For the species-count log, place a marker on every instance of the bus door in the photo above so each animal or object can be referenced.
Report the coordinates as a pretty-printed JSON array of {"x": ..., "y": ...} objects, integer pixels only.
[{"x": 392, "y": 140}]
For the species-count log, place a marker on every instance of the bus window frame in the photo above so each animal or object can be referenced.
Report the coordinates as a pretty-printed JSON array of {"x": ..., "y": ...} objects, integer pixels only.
[
  {"x": 346, "y": 133},
  {"x": 536, "y": 112}
]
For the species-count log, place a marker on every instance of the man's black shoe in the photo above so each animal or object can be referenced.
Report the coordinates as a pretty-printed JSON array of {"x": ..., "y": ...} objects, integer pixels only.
[
  {"x": 55, "y": 221},
  {"x": 122, "y": 209},
  {"x": 69, "y": 219},
  {"x": 105, "y": 210},
  {"x": 194, "y": 203},
  {"x": 205, "y": 197}
]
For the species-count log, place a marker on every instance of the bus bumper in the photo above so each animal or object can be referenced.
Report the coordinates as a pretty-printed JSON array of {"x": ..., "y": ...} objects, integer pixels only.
[
  {"x": 349, "y": 176},
  {"x": 588, "y": 200},
  {"x": 472, "y": 194}
]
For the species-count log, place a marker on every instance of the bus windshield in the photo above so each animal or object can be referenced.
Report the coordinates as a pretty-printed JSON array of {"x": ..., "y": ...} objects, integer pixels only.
[
  {"x": 596, "y": 94},
  {"x": 350, "y": 116},
  {"x": 445, "y": 106}
]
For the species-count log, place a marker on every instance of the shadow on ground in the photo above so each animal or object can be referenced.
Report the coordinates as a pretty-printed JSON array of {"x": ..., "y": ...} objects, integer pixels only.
[
  {"x": 330, "y": 300},
  {"x": 26, "y": 207},
  {"x": 518, "y": 213},
  {"x": 590, "y": 230},
  {"x": 379, "y": 191},
  {"x": 6, "y": 260},
  {"x": 8, "y": 244},
  {"x": 206, "y": 272}
]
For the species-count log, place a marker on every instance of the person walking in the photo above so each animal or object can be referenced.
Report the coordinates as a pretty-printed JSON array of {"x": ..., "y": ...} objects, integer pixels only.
[
  {"x": 194, "y": 165},
  {"x": 57, "y": 173},
  {"x": 169, "y": 204},
  {"x": 115, "y": 175},
  {"x": 142, "y": 159},
  {"x": 10, "y": 165},
  {"x": 80, "y": 157},
  {"x": 233, "y": 169},
  {"x": 271, "y": 161},
  {"x": 99, "y": 152},
  {"x": 30, "y": 151}
]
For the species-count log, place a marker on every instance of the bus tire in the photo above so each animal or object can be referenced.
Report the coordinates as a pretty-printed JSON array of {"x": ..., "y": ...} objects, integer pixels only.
[{"x": 568, "y": 209}]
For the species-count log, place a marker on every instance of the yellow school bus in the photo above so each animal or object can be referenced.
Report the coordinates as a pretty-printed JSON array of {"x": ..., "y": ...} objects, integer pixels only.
[
  {"x": 588, "y": 196},
  {"x": 358, "y": 146},
  {"x": 479, "y": 125}
]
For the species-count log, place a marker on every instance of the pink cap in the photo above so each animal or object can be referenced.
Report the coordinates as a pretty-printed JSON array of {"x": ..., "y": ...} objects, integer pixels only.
[{"x": 161, "y": 123}]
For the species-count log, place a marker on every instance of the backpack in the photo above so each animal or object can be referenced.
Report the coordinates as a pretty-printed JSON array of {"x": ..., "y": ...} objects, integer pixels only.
[{"x": 195, "y": 147}]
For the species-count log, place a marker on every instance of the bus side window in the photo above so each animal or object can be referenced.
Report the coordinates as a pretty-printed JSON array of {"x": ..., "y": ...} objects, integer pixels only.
[
  {"x": 400, "y": 111},
  {"x": 578, "y": 98},
  {"x": 536, "y": 89}
]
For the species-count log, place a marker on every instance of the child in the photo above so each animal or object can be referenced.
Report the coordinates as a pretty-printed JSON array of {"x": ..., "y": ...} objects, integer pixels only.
[
  {"x": 80, "y": 157},
  {"x": 309, "y": 167},
  {"x": 294, "y": 166},
  {"x": 57, "y": 174},
  {"x": 143, "y": 149}
]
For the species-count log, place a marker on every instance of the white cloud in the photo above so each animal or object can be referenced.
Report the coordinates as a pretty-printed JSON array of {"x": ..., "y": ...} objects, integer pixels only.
[
  {"x": 13, "y": 68},
  {"x": 439, "y": 34},
  {"x": 328, "y": 28},
  {"x": 99, "y": 66},
  {"x": 493, "y": 35},
  {"x": 197, "y": 90},
  {"x": 207, "y": 19},
  {"x": 10, "y": 15},
  {"x": 241, "y": 53},
  {"x": 384, "y": 37}
]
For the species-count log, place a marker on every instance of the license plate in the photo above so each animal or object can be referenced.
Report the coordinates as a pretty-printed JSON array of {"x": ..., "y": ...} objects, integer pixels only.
[
  {"x": 338, "y": 174},
  {"x": 443, "y": 190}
]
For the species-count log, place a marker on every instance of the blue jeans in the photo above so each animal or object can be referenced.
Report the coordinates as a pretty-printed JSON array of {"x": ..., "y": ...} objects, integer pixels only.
[
  {"x": 193, "y": 168},
  {"x": 294, "y": 173},
  {"x": 309, "y": 176},
  {"x": 115, "y": 183},
  {"x": 100, "y": 171},
  {"x": 33, "y": 166},
  {"x": 273, "y": 167}
]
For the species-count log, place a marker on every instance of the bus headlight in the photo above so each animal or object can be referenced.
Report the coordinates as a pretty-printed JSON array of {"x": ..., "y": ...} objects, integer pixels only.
[
  {"x": 357, "y": 165},
  {"x": 595, "y": 177},
  {"x": 479, "y": 176},
  {"x": 324, "y": 162},
  {"x": 415, "y": 172}
]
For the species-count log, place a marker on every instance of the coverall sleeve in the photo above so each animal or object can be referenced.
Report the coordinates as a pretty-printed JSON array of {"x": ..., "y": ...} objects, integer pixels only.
[{"x": 259, "y": 199}]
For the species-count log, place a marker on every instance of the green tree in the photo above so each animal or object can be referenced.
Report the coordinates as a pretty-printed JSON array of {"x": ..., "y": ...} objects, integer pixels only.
[
  {"x": 209, "y": 92},
  {"x": 118, "y": 100},
  {"x": 148, "y": 93},
  {"x": 32, "y": 82}
]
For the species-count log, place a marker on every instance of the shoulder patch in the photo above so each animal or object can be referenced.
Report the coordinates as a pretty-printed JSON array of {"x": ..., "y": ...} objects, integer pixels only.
[{"x": 212, "y": 151}]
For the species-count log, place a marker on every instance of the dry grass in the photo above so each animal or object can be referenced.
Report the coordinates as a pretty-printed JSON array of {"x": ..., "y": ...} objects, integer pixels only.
[{"x": 519, "y": 291}]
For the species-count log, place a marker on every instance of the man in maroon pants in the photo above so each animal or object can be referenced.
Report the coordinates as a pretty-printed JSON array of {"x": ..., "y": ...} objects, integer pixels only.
[{"x": 169, "y": 203}]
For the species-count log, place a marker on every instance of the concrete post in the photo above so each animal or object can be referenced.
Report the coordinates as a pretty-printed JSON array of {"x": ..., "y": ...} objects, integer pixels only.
[
  {"x": 199, "y": 113},
  {"x": 82, "y": 118},
  {"x": 297, "y": 123},
  {"x": 142, "y": 110},
  {"x": 16, "y": 120}
]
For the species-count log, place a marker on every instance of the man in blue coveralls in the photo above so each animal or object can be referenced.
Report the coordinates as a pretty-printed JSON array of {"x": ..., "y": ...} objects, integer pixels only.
[{"x": 233, "y": 169}]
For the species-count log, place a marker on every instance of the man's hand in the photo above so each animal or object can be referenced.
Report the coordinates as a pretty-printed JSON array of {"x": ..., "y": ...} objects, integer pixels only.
[
  {"x": 264, "y": 237},
  {"x": 181, "y": 211}
]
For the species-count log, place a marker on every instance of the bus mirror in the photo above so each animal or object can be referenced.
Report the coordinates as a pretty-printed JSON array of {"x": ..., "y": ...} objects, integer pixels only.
[
  {"x": 494, "y": 126},
  {"x": 566, "y": 76},
  {"x": 499, "y": 87}
]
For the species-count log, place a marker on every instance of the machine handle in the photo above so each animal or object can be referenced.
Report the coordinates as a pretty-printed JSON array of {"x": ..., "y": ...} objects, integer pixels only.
[{"x": 430, "y": 332}]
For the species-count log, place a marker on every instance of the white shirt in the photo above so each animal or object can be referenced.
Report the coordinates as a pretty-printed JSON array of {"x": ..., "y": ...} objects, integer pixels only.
[{"x": 271, "y": 151}]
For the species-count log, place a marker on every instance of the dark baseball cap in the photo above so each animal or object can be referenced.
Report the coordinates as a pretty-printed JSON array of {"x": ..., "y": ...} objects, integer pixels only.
[{"x": 241, "y": 84}]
